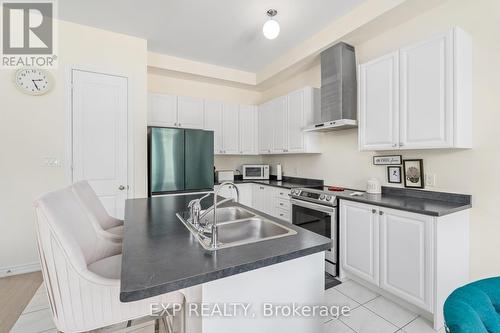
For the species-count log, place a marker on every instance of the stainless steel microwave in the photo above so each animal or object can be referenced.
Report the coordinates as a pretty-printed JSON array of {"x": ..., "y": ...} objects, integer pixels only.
[{"x": 255, "y": 171}]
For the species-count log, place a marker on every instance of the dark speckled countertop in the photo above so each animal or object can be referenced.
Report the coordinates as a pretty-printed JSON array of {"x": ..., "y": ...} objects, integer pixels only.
[
  {"x": 415, "y": 201},
  {"x": 160, "y": 255}
]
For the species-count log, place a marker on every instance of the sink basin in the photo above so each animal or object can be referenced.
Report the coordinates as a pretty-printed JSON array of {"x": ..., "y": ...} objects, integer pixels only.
[
  {"x": 250, "y": 230},
  {"x": 237, "y": 226},
  {"x": 225, "y": 214}
]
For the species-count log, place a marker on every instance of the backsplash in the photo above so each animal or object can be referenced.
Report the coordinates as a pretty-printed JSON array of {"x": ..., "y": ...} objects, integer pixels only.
[{"x": 228, "y": 162}]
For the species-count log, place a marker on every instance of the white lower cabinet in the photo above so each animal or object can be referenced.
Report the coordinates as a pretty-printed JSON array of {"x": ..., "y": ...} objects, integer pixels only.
[
  {"x": 245, "y": 194},
  {"x": 406, "y": 256},
  {"x": 389, "y": 248},
  {"x": 263, "y": 198},
  {"x": 417, "y": 258},
  {"x": 359, "y": 245}
]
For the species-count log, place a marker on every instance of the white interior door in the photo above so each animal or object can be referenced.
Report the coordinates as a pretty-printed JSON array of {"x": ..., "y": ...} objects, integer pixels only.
[{"x": 99, "y": 136}]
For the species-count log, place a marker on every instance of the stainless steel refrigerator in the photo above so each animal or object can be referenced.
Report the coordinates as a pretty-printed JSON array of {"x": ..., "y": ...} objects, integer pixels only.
[{"x": 180, "y": 160}]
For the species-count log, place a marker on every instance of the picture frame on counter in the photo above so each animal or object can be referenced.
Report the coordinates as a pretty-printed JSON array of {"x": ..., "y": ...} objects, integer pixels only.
[
  {"x": 387, "y": 160},
  {"x": 394, "y": 175},
  {"x": 413, "y": 173}
]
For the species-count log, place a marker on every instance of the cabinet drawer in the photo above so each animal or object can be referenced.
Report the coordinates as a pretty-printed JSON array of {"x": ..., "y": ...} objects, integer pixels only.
[
  {"x": 282, "y": 204},
  {"x": 283, "y": 193},
  {"x": 283, "y": 214}
]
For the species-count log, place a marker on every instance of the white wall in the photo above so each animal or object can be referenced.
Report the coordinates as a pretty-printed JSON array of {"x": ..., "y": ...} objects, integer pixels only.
[
  {"x": 32, "y": 128},
  {"x": 464, "y": 171}
]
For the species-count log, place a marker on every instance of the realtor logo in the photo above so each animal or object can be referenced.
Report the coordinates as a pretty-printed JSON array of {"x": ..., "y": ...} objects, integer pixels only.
[{"x": 28, "y": 34}]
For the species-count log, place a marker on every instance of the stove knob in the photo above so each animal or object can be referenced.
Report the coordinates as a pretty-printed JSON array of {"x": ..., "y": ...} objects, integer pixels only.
[
  {"x": 322, "y": 197},
  {"x": 328, "y": 197}
]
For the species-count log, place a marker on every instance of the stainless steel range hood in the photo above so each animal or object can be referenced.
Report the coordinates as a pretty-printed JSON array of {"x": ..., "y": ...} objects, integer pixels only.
[{"x": 338, "y": 89}]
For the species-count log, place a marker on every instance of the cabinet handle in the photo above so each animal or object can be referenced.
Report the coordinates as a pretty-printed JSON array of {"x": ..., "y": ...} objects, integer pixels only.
[
  {"x": 281, "y": 193},
  {"x": 281, "y": 204},
  {"x": 381, "y": 213},
  {"x": 261, "y": 188},
  {"x": 179, "y": 124},
  {"x": 175, "y": 124},
  {"x": 374, "y": 211},
  {"x": 401, "y": 144}
]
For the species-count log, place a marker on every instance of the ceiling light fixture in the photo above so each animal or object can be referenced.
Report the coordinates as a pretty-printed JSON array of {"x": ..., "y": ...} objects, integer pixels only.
[{"x": 271, "y": 29}]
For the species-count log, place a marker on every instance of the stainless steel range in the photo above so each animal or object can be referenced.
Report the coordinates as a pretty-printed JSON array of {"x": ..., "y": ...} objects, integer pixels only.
[{"x": 316, "y": 210}]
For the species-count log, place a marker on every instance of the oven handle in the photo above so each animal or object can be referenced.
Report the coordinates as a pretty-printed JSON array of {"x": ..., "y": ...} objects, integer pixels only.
[{"x": 310, "y": 205}]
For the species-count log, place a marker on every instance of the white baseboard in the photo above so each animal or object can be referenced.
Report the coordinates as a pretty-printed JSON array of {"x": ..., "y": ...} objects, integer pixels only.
[{"x": 20, "y": 269}]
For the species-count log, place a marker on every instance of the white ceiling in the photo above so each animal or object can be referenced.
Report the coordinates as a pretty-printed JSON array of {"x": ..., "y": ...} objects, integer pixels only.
[{"x": 220, "y": 32}]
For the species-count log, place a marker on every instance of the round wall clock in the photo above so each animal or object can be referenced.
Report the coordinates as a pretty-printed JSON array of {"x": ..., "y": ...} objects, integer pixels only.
[{"x": 33, "y": 81}]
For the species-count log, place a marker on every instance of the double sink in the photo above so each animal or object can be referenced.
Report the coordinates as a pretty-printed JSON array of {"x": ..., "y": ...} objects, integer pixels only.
[{"x": 237, "y": 226}]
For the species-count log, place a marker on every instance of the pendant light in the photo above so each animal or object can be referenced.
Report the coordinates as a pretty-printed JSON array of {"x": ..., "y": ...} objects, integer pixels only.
[{"x": 271, "y": 29}]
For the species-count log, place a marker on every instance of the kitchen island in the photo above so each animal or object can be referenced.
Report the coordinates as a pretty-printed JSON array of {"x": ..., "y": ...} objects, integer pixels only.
[{"x": 160, "y": 255}]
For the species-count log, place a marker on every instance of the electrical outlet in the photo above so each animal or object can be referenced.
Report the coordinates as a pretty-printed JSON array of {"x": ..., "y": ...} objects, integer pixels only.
[
  {"x": 430, "y": 179},
  {"x": 52, "y": 162}
]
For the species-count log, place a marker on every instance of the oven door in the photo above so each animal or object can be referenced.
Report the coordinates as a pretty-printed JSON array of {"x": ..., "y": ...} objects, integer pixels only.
[{"x": 318, "y": 219}]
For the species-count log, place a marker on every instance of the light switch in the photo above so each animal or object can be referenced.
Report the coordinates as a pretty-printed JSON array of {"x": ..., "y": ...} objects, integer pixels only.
[{"x": 430, "y": 179}]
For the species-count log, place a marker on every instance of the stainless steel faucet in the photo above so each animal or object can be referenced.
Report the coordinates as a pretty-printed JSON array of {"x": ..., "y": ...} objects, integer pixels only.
[
  {"x": 214, "y": 239},
  {"x": 195, "y": 209}
]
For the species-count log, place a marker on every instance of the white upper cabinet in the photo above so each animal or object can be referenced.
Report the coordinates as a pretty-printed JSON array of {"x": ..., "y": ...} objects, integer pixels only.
[
  {"x": 434, "y": 109},
  {"x": 427, "y": 94},
  {"x": 230, "y": 129},
  {"x": 379, "y": 103},
  {"x": 162, "y": 110},
  {"x": 265, "y": 128},
  {"x": 281, "y": 121},
  {"x": 248, "y": 125},
  {"x": 279, "y": 124},
  {"x": 296, "y": 120},
  {"x": 302, "y": 105},
  {"x": 189, "y": 112},
  {"x": 213, "y": 122}
]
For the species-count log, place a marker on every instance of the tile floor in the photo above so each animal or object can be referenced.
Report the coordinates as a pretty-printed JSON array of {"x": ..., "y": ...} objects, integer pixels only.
[
  {"x": 370, "y": 313},
  {"x": 36, "y": 318}
]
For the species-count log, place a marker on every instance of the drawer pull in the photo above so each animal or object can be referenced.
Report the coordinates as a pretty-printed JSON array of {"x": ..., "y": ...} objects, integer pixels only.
[{"x": 374, "y": 211}]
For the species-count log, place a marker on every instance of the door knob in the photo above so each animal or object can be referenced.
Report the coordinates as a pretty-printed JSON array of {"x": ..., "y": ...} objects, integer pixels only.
[{"x": 121, "y": 187}]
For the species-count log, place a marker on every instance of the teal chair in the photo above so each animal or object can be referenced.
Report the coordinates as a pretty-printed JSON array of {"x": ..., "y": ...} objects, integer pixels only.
[{"x": 474, "y": 308}]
